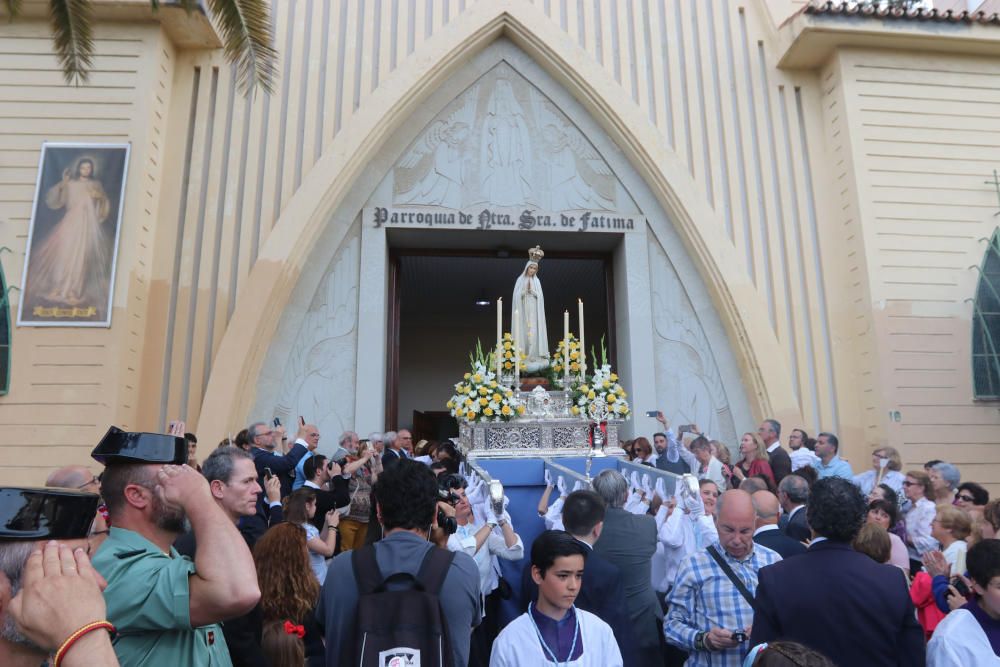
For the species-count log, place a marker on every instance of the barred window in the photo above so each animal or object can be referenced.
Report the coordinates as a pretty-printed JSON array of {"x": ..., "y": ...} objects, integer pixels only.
[
  {"x": 4, "y": 335},
  {"x": 986, "y": 325}
]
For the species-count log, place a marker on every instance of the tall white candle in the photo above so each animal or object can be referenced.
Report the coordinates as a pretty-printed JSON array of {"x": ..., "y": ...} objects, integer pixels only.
[
  {"x": 499, "y": 348},
  {"x": 583, "y": 348},
  {"x": 566, "y": 340},
  {"x": 516, "y": 335}
]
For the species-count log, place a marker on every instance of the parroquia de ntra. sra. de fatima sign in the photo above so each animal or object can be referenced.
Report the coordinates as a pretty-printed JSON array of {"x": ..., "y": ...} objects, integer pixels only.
[{"x": 503, "y": 219}]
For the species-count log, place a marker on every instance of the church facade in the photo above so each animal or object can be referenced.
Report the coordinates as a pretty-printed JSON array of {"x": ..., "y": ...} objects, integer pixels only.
[{"x": 796, "y": 202}]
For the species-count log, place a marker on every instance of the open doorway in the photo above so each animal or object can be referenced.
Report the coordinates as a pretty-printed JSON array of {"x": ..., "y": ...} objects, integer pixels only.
[{"x": 442, "y": 301}]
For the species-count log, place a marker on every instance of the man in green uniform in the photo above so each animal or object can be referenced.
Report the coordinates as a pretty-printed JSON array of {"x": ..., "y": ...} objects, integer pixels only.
[{"x": 167, "y": 608}]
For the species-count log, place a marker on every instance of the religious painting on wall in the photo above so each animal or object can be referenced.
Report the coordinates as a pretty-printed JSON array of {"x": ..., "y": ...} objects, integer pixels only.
[{"x": 69, "y": 268}]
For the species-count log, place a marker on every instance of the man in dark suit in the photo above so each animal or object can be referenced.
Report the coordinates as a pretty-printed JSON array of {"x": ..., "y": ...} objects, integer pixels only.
[
  {"x": 628, "y": 541},
  {"x": 835, "y": 600},
  {"x": 602, "y": 592},
  {"x": 394, "y": 450},
  {"x": 793, "y": 494},
  {"x": 321, "y": 473},
  {"x": 766, "y": 533},
  {"x": 781, "y": 463},
  {"x": 668, "y": 450},
  {"x": 264, "y": 440}
]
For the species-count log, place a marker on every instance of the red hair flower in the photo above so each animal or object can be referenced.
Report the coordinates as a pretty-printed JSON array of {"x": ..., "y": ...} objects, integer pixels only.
[{"x": 292, "y": 629}]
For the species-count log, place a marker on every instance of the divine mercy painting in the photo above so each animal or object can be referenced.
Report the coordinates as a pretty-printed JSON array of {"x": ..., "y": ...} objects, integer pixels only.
[{"x": 69, "y": 269}]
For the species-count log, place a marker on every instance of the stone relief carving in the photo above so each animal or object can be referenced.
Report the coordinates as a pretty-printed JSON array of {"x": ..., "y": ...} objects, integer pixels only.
[
  {"x": 319, "y": 377},
  {"x": 688, "y": 383},
  {"x": 504, "y": 143}
]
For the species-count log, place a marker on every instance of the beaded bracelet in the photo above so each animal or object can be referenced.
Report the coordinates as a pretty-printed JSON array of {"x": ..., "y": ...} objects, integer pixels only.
[{"x": 75, "y": 637}]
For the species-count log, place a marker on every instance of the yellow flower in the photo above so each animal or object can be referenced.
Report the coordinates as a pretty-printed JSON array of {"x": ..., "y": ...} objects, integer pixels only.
[
  {"x": 467, "y": 376},
  {"x": 612, "y": 398},
  {"x": 505, "y": 411},
  {"x": 483, "y": 401},
  {"x": 584, "y": 388},
  {"x": 508, "y": 365},
  {"x": 488, "y": 412},
  {"x": 507, "y": 336},
  {"x": 496, "y": 398},
  {"x": 575, "y": 410},
  {"x": 493, "y": 384},
  {"x": 477, "y": 378},
  {"x": 507, "y": 345},
  {"x": 509, "y": 393},
  {"x": 483, "y": 391},
  {"x": 470, "y": 415},
  {"x": 575, "y": 367},
  {"x": 450, "y": 404},
  {"x": 591, "y": 395},
  {"x": 614, "y": 377},
  {"x": 468, "y": 402},
  {"x": 573, "y": 355},
  {"x": 520, "y": 409},
  {"x": 605, "y": 384}
]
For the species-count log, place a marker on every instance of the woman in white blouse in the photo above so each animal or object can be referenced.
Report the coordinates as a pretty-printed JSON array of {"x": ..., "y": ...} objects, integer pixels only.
[
  {"x": 886, "y": 466},
  {"x": 918, "y": 516}
]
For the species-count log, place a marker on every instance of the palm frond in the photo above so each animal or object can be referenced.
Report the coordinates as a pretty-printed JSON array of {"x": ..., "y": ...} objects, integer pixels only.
[
  {"x": 13, "y": 8},
  {"x": 72, "y": 37},
  {"x": 246, "y": 33}
]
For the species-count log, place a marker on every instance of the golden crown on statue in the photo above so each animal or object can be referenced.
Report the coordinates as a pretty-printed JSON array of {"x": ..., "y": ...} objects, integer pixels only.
[{"x": 536, "y": 254}]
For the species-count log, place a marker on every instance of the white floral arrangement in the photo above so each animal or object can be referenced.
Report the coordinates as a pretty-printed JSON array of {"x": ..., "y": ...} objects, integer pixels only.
[
  {"x": 479, "y": 397},
  {"x": 604, "y": 385}
]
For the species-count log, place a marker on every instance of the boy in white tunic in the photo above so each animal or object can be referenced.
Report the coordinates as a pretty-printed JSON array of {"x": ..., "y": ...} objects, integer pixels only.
[{"x": 553, "y": 631}]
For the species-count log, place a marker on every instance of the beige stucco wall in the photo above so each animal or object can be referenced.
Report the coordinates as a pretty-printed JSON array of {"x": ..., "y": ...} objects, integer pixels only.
[{"x": 776, "y": 178}]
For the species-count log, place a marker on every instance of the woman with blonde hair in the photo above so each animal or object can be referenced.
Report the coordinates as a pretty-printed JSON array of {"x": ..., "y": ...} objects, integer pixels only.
[
  {"x": 886, "y": 467},
  {"x": 288, "y": 595},
  {"x": 754, "y": 460}
]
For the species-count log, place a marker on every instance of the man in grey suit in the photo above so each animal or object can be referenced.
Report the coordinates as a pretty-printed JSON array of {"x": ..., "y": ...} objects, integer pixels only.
[{"x": 628, "y": 541}]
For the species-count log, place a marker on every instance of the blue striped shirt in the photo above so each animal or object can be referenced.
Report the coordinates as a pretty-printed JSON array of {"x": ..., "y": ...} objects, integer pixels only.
[{"x": 703, "y": 598}]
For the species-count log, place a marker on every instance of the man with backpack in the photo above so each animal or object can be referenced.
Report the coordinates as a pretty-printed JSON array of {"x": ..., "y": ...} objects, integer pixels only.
[{"x": 402, "y": 596}]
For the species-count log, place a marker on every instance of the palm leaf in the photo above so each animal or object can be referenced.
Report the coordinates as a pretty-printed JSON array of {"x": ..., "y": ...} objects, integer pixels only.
[
  {"x": 72, "y": 36},
  {"x": 246, "y": 34},
  {"x": 13, "y": 7}
]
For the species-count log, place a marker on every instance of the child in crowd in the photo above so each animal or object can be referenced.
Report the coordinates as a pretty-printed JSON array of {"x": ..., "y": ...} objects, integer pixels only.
[{"x": 553, "y": 630}]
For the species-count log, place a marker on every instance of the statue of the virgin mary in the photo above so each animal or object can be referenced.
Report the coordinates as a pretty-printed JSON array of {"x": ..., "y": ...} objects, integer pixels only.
[{"x": 529, "y": 302}]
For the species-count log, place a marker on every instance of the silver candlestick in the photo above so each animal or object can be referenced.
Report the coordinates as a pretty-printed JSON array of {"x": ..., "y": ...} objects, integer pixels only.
[{"x": 598, "y": 413}]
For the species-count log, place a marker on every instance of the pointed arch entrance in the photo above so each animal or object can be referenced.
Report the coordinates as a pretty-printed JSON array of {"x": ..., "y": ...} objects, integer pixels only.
[{"x": 323, "y": 233}]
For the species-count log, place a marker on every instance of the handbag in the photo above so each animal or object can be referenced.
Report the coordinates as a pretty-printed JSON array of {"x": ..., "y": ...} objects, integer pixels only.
[{"x": 740, "y": 586}]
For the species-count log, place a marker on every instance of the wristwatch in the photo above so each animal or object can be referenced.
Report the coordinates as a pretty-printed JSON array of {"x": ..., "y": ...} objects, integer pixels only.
[{"x": 699, "y": 642}]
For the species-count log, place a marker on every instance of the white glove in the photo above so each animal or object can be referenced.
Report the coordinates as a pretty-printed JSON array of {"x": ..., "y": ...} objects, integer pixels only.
[
  {"x": 561, "y": 485},
  {"x": 474, "y": 495},
  {"x": 548, "y": 477},
  {"x": 491, "y": 517},
  {"x": 578, "y": 486},
  {"x": 647, "y": 485},
  {"x": 635, "y": 479},
  {"x": 505, "y": 518},
  {"x": 661, "y": 488}
]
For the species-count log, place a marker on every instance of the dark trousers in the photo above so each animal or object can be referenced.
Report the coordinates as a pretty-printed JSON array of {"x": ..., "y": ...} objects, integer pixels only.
[
  {"x": 672, "y": 656},
  {"x": 483, "y": 636}
]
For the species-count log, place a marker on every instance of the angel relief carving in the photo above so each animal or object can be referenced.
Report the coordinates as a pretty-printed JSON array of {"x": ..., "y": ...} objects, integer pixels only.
[
  {"x": 502, "y": 142},
  {"x": 688, "y": 381},
  {"x": 319, "y": 377}
]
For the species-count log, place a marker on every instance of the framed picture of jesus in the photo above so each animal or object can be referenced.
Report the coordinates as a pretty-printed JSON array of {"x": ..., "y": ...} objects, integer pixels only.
[{"x": 69, "y": 267}]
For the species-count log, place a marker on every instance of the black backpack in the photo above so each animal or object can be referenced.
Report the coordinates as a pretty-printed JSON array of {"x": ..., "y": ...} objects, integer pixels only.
[{"x": 400, "y": 627}]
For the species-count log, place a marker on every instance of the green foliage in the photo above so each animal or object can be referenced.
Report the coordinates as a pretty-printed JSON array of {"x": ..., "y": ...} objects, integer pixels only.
[{"x": 245, "y": 26}]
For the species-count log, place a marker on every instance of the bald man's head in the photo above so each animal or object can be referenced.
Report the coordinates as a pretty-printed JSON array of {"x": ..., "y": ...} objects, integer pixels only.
[
  {"x": 73, "y": 477},
  {"x": 735, "y": 522},
  {"x": 765, "y": 505}
]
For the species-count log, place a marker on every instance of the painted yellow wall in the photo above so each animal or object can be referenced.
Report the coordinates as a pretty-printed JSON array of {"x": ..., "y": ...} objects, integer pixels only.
[{"x": 762, "y": 168}]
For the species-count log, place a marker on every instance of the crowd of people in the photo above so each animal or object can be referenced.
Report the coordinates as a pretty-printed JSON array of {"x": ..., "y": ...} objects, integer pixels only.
[{"x": 382, "y": 551}]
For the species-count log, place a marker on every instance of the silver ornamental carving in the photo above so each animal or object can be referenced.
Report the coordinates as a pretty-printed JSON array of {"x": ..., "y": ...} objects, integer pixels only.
[{"x": 540, "y": 403}]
